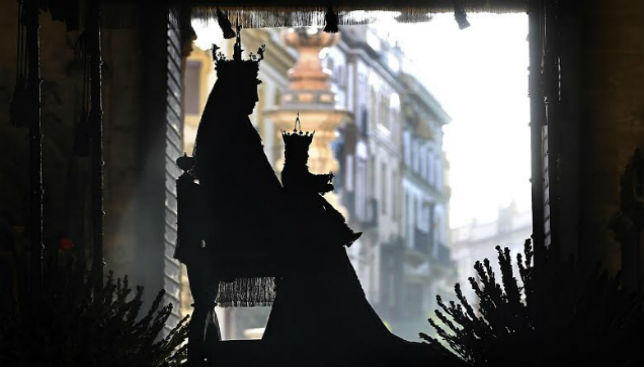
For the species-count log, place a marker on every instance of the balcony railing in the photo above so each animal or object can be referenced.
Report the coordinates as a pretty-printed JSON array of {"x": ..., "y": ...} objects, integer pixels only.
[
  {"x": 370, "y": 219},
  {"x": 422, "y": 241},
  {"x": 442, "y": 254}
]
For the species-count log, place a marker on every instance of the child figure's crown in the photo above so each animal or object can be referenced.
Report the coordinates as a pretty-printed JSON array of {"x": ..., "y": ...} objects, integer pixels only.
[
  {"x": 297, "y": 137},
  {"x": 296, "y": 144},
  {"x": 236, "y": 67}
]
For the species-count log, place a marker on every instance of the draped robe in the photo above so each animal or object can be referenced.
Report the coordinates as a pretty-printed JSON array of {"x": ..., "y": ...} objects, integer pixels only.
[{"x": 242, "y": 196}]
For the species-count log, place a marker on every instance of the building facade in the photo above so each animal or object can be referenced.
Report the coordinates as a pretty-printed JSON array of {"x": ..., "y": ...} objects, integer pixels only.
[
  {"x": 429, "y": 269},
  {"x": 391, "y": 178}
]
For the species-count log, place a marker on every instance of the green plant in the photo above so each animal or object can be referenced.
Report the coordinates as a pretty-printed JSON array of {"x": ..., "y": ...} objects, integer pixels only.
[
  {"x": 71, "y": 322},
  {"x": 571, "y": 314}
]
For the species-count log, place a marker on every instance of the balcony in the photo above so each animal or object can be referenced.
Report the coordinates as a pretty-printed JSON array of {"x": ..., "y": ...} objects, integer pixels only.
[
  {"x": 370, "y": 217},
  {"x": 422, "y": 241},
  {"x": 442, "y": 254},
  {"x": 348, "y": 199}
]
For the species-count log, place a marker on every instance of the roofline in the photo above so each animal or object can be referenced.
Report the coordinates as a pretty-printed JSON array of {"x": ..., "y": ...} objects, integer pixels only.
[
  {"x": 349, "y": 45},
  {"x": 353, "y": 46},
  {"x": 425, "y": 96}
]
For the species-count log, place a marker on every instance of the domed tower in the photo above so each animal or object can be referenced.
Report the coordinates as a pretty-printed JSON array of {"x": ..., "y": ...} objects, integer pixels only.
[{"x": 309, "y": 93}]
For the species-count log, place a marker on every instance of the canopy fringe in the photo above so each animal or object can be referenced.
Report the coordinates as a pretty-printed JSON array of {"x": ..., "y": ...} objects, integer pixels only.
[
  {"x": 348, "y": 5},
  {"x": 247, "y": 292}
]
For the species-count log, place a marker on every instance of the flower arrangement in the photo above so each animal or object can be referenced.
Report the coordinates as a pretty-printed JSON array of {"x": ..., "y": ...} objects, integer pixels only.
[
  {"x": 571, "y": 314},
  {"x": 71, "y": 321}
]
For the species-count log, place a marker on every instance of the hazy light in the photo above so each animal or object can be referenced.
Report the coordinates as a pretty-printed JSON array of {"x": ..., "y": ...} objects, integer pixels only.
[
  {"x": 208, "y": 33},
  {"x": 480, "y": 77}
]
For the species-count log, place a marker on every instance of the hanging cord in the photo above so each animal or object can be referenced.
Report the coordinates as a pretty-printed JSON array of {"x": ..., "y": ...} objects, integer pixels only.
[
  {"x": 95, "y": 119},
  {"x": 331, "y": 20},
  {"x": 225, "y": 25},
  {"x": 21, "y": 111},
  {"x": 460, "y": 15},
  {"x": 81, "y": 133},
  {"x": 20, "y": 42},
  {"x": 75, "y": 227}
]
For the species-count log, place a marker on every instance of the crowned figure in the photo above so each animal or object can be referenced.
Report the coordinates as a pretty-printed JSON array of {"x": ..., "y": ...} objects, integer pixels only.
[
  {"x": 320, "y": 308},
  {"x": 228, "y": 204},
  {"x": 247, "y": 241},
  {"x": 298, "y": 181}
]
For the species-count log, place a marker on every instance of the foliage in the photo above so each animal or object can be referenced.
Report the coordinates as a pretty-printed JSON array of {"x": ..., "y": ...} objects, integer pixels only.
[
  {"x": 72, "y": 322},
  {"x": 568, "y": 314}
]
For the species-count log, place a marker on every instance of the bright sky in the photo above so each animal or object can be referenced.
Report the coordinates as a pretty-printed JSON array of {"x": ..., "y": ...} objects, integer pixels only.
[{"x": 480, "y": 76}]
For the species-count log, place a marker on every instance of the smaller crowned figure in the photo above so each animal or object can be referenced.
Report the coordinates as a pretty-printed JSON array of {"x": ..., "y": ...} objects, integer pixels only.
[
  {"x": 297, "y": 180},
  {"x": 320, "y": 307}
]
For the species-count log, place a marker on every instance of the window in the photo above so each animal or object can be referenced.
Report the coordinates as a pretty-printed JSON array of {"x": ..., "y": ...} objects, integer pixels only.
[
  {"x": 408, "y": 217},
  {"x": 416, "y": 213},
  {"x": 371, "y": 182},
  {"x": 373, "y": 110},
  {"x": 423, "y": 162},
  {"x": 339, "y": 71},
  {"x": 431, "y": 223},
  {"x": 350, "y": 83},
  {"x": 438, "y": 235},
  {"x": 415, "y": 155},
  {"x": 364, "y": 120},
  {"x": 349, "y": 173},
  {"x": 406, "y": 147},
  {"x": 383, "y": 189},
  {"x": 394, "y": 195},
  {"x": 438, "y": 172},
  {"x": 361, "y": 189},
  {"x": 277, "y": 97},
  {"x": 384, "y": 113},
  {"x": 430, "y": 175}
]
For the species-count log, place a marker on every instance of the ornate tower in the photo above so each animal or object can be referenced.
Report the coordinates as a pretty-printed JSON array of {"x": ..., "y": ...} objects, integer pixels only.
[{"x": 309, "y": 93}]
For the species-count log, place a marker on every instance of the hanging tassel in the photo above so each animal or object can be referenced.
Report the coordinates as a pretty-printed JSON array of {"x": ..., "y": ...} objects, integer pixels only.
[
  {"x": 81, "y": 130},
  {"x": 21, "y": 107},
  {"x": 460, "y": 15},
  {"x": 412, "y": 16},
  {"x": 246, "y": 292},
  {"x": 331, "y": 21},
  {"x": 225, "y": 25}
]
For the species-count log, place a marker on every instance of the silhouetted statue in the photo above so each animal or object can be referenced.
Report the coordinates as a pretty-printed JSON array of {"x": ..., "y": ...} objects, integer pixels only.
[{"x": 248, "y": 241}]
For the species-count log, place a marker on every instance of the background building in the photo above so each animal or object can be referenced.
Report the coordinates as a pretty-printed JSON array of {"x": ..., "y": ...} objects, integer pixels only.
[
  {"x": 428, "y": 270},
  {"x": 386, "y": 182},
  {"x": 476, "y": 241}
]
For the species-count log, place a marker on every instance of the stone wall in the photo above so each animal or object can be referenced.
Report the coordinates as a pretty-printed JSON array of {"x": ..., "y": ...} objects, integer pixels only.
[
  {"x": 134, "y": 46},
  {"x": 603, "y": 120},
  {"x": 613, "y": 111}
]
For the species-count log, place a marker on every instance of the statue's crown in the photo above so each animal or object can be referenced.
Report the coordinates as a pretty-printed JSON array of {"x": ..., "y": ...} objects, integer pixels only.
[
  {"x": 297, "y": 138},
  {"x": 237, "y": 67}
]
